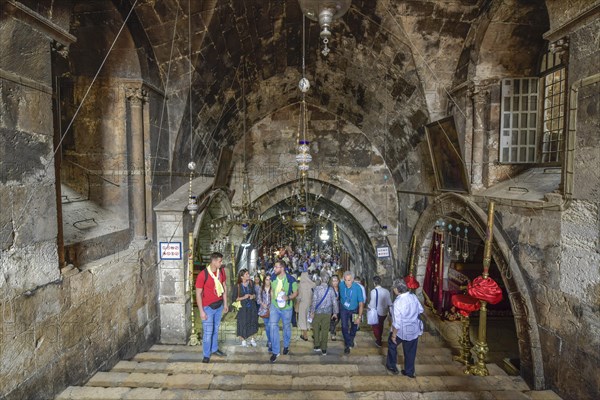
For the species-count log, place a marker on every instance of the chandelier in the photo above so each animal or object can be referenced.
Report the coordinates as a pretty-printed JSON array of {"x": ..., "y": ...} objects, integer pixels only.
[
  {"x": 324, "y": 12},
  {"x": 324, "y": 236},
  {"x": 245, "y": 215},
  {"x": 456, "y": 238}
]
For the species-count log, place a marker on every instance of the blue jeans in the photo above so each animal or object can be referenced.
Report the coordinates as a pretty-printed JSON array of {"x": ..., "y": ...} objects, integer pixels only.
[
  {"x": 267, "y": 330},
  {"x": 285, "y": 316},
  {"x": 348, "y": 328},
  {"x": 210, "y": 330}
]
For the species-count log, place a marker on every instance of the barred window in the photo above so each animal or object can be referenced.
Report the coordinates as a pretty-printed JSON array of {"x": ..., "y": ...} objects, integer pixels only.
[
  {"x": 519, "y": 111},
  {"x": 555, "y": 94},
  {"x": 526, "y": 135}
]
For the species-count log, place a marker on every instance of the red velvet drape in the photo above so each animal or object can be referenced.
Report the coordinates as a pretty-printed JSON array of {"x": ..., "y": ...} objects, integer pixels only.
[{"x": 434, "y": 273}]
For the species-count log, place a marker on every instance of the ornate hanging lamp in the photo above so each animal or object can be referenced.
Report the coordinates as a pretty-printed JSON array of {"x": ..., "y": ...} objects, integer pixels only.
[{"x": 324, "y": 12}]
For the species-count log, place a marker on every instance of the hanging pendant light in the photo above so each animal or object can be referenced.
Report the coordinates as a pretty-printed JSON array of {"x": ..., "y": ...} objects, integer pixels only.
[
  {"x": 324, "y": 12},
  {"x": 303, "y": 158}
]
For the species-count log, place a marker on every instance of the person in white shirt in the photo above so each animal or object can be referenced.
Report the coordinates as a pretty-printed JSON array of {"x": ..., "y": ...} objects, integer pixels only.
[
  {"x": 406, "y": 328},
  {"x": 381, "y": 300}
]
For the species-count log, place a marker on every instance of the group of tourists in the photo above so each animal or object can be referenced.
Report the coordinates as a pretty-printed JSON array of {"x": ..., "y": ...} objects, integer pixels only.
[{"x": 320, "y": 303}]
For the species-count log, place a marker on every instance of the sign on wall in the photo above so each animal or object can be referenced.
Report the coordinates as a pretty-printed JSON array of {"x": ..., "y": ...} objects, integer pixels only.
[
  {"x": 383, "y": 252},
  {"x": 169, "y": 250}
]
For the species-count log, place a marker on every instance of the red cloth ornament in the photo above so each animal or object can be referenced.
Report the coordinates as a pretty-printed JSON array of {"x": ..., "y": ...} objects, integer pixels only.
[
  {"x": 465, "y": 304},
  {"x": 411, "y": 282},
  {"x": 485, "y": 289}
]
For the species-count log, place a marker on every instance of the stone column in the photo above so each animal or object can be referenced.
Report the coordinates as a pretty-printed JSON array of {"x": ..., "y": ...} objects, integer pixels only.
[
  {"x": 137, "y": 97},
  {"x": 480, "y": 100}
]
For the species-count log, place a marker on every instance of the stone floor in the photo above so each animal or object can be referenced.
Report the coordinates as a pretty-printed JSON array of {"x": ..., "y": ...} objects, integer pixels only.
[{"x": 175, "y": 372}]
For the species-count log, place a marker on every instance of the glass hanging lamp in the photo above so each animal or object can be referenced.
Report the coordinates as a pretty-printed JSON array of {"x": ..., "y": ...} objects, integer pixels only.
[{"x": 324, "y": 12}]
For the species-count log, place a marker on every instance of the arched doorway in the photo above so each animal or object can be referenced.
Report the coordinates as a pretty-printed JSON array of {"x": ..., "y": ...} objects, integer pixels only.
[
  {"x": 361, "y": 227},
  {"x": 531, "y": 366}
]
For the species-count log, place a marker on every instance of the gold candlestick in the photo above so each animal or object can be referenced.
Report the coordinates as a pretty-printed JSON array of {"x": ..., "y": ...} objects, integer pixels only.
[
  {"x": 481, "y": 348},
  {"x": 194, "y": 336},
  {"x": 411, "y": 263},
  {"x": 465, "y": 342}
]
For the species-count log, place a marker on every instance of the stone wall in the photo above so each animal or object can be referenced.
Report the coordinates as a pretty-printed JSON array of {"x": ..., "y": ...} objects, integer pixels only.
[
  {"x": 56, "y": 328},
  {"x": 61, "y": 333}
]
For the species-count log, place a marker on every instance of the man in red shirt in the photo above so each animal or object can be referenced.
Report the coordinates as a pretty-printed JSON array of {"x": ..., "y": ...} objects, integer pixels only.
[{"x": 211, "y": 296}]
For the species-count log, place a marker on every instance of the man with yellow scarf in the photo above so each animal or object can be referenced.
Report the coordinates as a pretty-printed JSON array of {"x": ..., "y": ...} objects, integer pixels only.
[{"x": 211, "y": 296}]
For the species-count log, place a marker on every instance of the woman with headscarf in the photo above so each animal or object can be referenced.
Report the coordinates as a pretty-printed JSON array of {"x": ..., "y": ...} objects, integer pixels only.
[
  {"x": 247, "y": 317},
  {"x": 304, "y": 300}
]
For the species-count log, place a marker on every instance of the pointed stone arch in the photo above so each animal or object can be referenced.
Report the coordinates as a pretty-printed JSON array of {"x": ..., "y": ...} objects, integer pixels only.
[
  {"x": 518, "y": 291},
  {"x": 364, "y": 218}
]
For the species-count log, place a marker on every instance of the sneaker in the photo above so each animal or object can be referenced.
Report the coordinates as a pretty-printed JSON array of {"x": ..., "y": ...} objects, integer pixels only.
[
  {"x": 270, "y": 349},
  {"x": 393, "y": 371},
  {"x": 405, "y": 374},
  {"x": 220, "y": 353},
  {"x": 347, "y": 350},
  {"x": 253, "y": 342},
  {"x": 323, "y": 352},
  {"x": 244, "y": 343},
  {"x": 316, "y": 348},
  {"x": 205, "y": 360},
  {"x": 286, "y": 350},
  {"x": 333, "y": 338},
  {"x": 378, "y": 344},
  {"x": 274, "y": 357}
]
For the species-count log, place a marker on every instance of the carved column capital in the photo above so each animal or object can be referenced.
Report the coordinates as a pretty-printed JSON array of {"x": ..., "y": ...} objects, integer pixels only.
[
  {"x": 479, "y": 95},
  {"x": 136, "y": 95},
  {"x": 60, "y": 48},
  {"x": 561, "y": 48}
]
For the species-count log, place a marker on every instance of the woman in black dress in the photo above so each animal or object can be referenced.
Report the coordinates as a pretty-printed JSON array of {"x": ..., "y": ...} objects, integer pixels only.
[{"x": 247, "y": 317}]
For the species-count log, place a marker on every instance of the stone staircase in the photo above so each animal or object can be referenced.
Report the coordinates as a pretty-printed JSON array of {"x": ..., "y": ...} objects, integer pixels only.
[{"x": 176, "y": 372}]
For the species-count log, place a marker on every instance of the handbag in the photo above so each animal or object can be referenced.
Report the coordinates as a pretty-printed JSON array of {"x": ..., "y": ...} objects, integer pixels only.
[
  {"x": 372, "y": 316},
  {"x": 237, "y": 304},
  {"x": 267, "y": 313},
  {"x": 216, "y": 304}
]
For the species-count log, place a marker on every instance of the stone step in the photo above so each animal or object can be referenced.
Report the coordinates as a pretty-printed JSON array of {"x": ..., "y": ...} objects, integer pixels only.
[
  {"x": 114, "y": 393},
  {"x": 334, "y": 356},
  {"x": 300, "y": 348},
  {"x": 363, "y": 341},
  {"x": 295, "y": 369},
  {"x": 252, "y": 381}
]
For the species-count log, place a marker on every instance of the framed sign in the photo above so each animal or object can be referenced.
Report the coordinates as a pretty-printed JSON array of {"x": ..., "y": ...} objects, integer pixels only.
[
  {"x": 383, "y": 252},
  {"x": 444, "y": 148},
  {"x": 169, "y": 250}
]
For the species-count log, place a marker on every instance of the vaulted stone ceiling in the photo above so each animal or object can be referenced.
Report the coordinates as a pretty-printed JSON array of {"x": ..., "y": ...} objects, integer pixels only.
[{"x": 372, "y": 78}]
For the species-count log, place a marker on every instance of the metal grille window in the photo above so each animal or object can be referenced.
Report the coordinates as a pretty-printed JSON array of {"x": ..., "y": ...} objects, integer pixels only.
[
  {"x": 555, "y": 93},
  {"x": 518, "y": 127}
]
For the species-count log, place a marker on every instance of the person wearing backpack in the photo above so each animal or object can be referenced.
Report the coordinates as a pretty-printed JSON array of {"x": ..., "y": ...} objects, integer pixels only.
[
  {"x": 211, "y": 296},
  {"x": 324, "y": 308},
  {"x": 284, "y": 289}
]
